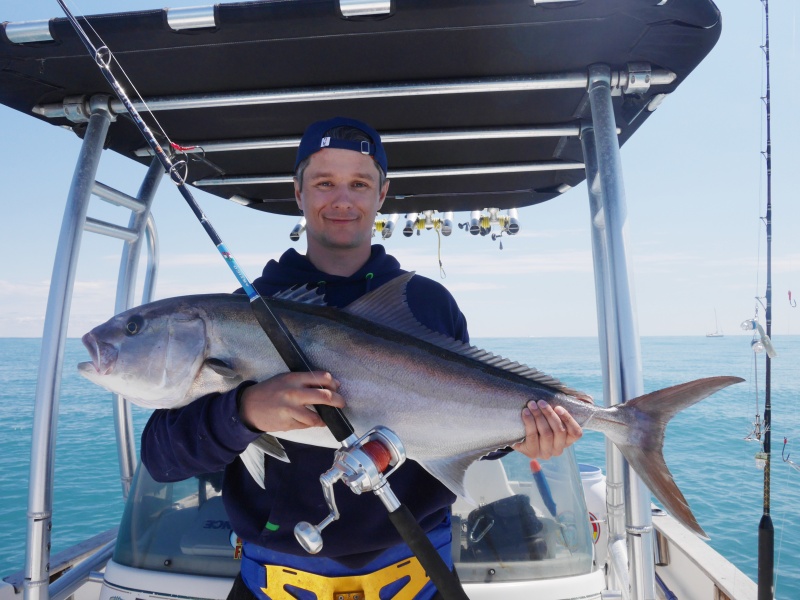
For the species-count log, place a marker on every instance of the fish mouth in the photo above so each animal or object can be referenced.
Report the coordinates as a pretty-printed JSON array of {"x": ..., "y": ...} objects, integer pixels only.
[{"x": 103, "y": 355}]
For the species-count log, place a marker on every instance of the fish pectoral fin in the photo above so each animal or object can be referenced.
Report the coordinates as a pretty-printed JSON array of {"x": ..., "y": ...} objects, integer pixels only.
[
  {"x": 221, "y": 368},
  {"x": 269, "y": 445},
  {"x": 253, "y": 456}
]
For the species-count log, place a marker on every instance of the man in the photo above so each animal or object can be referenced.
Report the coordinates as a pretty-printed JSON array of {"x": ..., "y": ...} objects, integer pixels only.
[{"x": 340, "y": 185}]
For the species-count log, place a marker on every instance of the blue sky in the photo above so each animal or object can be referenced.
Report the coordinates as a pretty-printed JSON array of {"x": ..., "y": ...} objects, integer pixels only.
[{"x": 694, "y": 180}]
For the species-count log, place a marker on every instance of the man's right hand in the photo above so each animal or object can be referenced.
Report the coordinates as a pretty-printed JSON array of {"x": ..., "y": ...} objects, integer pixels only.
[{"x": 284, "y": 402}]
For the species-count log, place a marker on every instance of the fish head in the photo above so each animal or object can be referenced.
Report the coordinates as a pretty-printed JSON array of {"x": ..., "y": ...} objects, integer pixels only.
[{"x": 152, "y": 354}]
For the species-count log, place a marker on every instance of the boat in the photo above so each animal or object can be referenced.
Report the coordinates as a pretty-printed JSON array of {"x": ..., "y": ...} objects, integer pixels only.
[
  {"x": 717, "y": 332},
  {"x": 541, "y": 113}
]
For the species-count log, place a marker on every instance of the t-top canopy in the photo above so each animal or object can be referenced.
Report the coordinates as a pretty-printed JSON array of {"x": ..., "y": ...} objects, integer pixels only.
[{"x": 480, "y": 104}]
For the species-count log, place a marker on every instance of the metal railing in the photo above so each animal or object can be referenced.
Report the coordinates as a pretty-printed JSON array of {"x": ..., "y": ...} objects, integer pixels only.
[{"x": 40, "y": 494}]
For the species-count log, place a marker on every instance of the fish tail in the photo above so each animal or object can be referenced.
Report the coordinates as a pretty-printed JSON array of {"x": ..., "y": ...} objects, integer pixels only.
[{"x": 649, "y": 418}]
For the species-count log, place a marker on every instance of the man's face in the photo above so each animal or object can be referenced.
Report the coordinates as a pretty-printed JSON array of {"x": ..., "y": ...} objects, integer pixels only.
[{"x": 340, "y": 196}]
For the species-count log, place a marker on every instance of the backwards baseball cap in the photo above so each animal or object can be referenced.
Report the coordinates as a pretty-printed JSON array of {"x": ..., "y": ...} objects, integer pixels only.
[{"x": 315, "y": 139}]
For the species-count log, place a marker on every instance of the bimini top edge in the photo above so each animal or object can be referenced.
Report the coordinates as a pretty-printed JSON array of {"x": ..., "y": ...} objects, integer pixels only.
[{"x": 480, "y": 103}]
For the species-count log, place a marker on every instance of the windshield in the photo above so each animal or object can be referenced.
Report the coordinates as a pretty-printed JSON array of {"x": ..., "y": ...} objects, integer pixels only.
[
  {"x": 530, "y": 521},
  {"x": 177, "y": 527},
  {"x": 523, "y": 525}
]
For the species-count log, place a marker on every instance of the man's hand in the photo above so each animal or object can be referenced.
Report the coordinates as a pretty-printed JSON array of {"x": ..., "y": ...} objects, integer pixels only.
[
  {"x": 283, "y": 402},
  {"x": 548, "y": 431}
]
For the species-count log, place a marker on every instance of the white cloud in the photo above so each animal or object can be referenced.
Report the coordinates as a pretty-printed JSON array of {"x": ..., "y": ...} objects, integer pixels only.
[
  {"x": 168, "y": 289},
  {"x": 23, "y": 306},
  {"x": 27, "y": 289},
  {"x": 786, "y": 263}
]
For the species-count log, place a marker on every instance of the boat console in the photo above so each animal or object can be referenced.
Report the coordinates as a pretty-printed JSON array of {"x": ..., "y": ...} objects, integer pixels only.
[{"x": 516, "y": 530}]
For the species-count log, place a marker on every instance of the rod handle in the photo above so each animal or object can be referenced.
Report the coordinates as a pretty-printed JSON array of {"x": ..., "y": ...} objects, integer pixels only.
[{"x": 443, "y": 578}]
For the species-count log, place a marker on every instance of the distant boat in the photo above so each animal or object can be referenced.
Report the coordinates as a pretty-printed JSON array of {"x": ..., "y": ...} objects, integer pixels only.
[{"x": 717, "y": 332}]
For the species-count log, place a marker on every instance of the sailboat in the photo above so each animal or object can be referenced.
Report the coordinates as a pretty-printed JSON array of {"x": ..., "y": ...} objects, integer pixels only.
[{"x": 717, "y": 332}]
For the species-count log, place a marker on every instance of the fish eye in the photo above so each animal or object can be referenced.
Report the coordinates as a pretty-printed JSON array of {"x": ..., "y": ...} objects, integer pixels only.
[{"x": 134, "y": 325}]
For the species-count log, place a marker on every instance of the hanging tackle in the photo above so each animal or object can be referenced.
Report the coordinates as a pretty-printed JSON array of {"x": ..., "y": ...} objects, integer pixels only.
[{"x": 785, "y": 456}]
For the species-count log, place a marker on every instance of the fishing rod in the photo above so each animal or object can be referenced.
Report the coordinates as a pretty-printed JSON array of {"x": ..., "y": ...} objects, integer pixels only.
[
  {"x": 278, "y": 334},
  {"x": 275, "y": 329},
  {"x": 360, "y": 462},
  {"x": 766, "y": 531}
]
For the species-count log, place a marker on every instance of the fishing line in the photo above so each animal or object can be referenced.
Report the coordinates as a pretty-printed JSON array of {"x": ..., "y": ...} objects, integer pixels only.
[
  {"x": 757, "y": 424},
  {"x": 179, "y": 149},
  {"x": 761, "y": 164},
  {"x": 780, "y": 540},
  {"x": 127, "y": 79},
  {"x": 756, "y": 433},
  {"x": 438, "y": 227}
]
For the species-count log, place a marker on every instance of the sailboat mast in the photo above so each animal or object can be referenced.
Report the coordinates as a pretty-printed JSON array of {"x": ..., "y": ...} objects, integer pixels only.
[{"x": 766, "y": 531}]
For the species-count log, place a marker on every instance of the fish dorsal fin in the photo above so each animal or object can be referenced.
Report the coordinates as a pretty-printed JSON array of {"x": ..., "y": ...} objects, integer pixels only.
[
  {"x": 388, "y": 306},
  {"x": 303, "y": 294}
]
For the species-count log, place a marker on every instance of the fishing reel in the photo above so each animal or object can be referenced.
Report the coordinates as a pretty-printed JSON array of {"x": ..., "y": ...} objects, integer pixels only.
[{"x": 361, "y": 466}]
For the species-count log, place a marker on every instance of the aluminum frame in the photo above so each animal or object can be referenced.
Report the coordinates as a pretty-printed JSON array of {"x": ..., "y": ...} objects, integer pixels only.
[
  {"x": 618, "y": 336},
  {"x": 554, "y": 165},
  {"x": 75, "y": 222},
  {"x": 40, "y": 491},
  {"x": 556, "y": 81},
  {"x": 617, "y": 329},
  {"x": 126, "y": 286},
  {"x": 564, "y": 130}
]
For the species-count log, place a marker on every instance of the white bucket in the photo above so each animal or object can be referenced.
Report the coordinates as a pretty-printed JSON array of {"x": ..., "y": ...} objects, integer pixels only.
[{"x": 594, "y": 490}]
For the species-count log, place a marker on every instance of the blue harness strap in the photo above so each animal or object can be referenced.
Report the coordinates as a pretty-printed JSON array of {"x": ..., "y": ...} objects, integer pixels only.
[{"x": 257, "y": 561}]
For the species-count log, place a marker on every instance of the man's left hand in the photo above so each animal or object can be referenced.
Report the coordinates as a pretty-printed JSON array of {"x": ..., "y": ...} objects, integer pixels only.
[{"x": 548, "y": 430}]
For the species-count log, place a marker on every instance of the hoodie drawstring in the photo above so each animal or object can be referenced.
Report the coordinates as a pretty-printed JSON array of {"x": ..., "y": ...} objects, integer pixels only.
[{"x": 368, "y": 278}]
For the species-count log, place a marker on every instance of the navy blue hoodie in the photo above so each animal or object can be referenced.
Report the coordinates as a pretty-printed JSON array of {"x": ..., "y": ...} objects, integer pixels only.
[{"x": 207, "y": 436}]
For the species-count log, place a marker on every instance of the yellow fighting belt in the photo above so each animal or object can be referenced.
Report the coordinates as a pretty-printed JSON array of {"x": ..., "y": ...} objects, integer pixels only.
[{"x": 350, "y": 587}]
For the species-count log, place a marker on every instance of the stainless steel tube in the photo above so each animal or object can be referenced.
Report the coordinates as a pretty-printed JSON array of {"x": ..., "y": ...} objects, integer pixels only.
[
  {"x": 116, "y": 197},
  {"x": 126, "y": 287},
  {"x": 66, "y": 585},
  {"x": 622, "y": 313},
  {"x": 618, "y": 555},
  {"x": 151, "y": 274},
  {"x": 40, "y": 493},
  {"x": 609, "y": 353},
  {"x": 534, "y": 131},
  {"x": 545, "y": 165},
  {"x": 109, "y": 229},
  {"x": 549, "y": 81}
]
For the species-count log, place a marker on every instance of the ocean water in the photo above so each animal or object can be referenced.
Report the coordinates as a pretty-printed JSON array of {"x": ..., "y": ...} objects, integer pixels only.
[{"x": 705, "y": 447}]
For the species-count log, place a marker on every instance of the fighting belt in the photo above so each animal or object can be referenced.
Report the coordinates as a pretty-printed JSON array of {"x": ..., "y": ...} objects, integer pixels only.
[{"x": 407, "y": 575}]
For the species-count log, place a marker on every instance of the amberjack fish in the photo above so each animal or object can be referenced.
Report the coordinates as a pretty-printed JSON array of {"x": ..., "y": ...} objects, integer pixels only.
[{"x": 450, "y": 403}]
